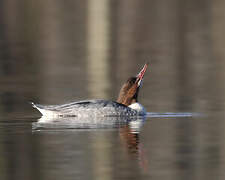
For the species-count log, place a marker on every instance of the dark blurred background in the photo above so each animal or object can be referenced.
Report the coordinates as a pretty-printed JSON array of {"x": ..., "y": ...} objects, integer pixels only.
[{"x": 53, "y": 52}]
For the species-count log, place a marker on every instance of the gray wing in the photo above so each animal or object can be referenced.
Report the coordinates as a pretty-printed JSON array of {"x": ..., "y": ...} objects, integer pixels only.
[{"x": 80, "y": 104}]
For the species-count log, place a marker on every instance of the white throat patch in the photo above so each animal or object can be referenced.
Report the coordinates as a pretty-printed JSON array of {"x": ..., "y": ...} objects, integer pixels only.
[{"x": 138, "y": 107}]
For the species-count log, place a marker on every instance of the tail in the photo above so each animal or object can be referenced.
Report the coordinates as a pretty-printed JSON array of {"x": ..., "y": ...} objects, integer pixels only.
[
  {"x": 43, "y": 110},
  {"x": 36, "y": 106},
  {"x": 33, "y": 105}
]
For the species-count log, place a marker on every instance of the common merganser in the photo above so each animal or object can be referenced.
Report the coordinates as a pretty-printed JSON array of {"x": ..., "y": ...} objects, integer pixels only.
[{"x": 126, "y": 104}]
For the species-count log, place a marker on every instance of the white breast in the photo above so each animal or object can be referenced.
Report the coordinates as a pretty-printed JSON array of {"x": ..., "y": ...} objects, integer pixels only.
[{"x": 138, "y": 107}]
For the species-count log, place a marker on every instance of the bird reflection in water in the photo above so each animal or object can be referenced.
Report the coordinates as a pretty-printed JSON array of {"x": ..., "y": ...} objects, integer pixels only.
[
  {"x": 129, "y": 129},
  {"x": 88, "y": 122},
  {"x": 129, "y": 135}
]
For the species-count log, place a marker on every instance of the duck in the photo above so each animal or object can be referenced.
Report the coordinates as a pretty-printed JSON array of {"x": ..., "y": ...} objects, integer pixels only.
[{"x": 126, "y": 104}]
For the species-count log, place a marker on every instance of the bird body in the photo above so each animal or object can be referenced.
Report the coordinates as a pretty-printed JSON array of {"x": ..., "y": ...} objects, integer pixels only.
[{"x": 90, "y": 108}]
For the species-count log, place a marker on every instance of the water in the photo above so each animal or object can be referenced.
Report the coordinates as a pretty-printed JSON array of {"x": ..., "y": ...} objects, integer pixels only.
[{"x": 53, "y": 52}]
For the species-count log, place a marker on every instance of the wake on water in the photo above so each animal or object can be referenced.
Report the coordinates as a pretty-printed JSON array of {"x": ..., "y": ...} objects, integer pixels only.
[{"x": 171, "y": 114}]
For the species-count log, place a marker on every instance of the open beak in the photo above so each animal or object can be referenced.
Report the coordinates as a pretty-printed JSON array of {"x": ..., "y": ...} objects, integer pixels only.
[{"x": 141, "y": 74}]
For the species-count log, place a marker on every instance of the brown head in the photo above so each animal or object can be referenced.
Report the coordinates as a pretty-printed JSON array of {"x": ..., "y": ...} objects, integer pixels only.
[{"x": 129, "y": 91}]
